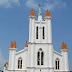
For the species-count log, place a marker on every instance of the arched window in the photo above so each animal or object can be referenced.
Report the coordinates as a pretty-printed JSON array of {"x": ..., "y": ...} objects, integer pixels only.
[
  {"x": 20, "y": 63},
  {"x": 37, "y": 32},
  {"x": 57, "y": 64},
  {"x": 40, "y": 57},
  {"x": 43, "y": 33}
]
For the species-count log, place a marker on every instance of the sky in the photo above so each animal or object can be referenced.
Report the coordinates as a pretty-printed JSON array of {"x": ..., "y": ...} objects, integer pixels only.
[{"x": 14, "y": 24}]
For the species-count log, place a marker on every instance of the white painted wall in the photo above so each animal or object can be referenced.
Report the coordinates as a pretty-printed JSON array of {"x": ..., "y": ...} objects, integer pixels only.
[
  {"x": 23, "y": 55},
  {"x": 39, "y": 17},
  {"x": 59, "y": 56}
]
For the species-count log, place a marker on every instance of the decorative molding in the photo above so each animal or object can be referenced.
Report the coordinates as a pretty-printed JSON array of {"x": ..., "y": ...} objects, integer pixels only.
[
  {"x": 23, "y": 50},
  {"x": 41, "y": 67},
  {"x": 12, "y": 48},
  {"x": 32, "y": 17},
  {"x": 39, "y": 43},
  {"x": 65, "y": 50},
  {"x": 48, "y": 17},
  {"x": 18, "y": 70},
  {"x": 57, "y": 53}
]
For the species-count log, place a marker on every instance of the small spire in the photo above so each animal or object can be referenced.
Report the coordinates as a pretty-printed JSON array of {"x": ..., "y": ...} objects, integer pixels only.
[
  {"x": 31, "y": 13},
  {"x": 62, "y": 47},
  {"x": 26, "y": 45},
  {"x": 5, "y": 64},
  {"x": 34, "y": 13},
  {"x": 46, "y": 13},
  {"x": 15, "y": 44},
  {"x": 66, "y": 46},
  {"x": 49, "y": 13},
  {"x": 11, "y": 45}
]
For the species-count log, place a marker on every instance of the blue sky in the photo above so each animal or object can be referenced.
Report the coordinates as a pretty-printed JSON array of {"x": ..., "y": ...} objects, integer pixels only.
[{"x": 14, "y": 24}]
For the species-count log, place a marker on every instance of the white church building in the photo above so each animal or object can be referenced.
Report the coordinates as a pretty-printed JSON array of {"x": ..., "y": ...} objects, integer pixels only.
[{"x": 38, "y": 54}]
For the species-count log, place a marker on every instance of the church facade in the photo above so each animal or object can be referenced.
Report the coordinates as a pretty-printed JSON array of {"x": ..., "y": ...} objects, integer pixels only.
[{"x": 38, "y": 54}]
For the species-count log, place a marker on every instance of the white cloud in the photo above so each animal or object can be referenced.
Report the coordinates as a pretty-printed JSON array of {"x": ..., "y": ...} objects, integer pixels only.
[
  {"x": 8, "y": 3},
  {"x": 2, "y": 60},
  {"x": 32, "y": 4},
  {"x": 46, "y": 4},
  {"x": 52, "y": 4}
]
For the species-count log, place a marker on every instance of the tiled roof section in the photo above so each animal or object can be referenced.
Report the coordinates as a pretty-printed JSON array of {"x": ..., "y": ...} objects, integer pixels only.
[
  {"x": 62, "y": 47},
  {"x": 26, "y": 45},
  {"x": 32, "y": 13},
  {"x": 5, "y": 64},
  {"x": 13, "y": 44},
  {"x": 66, "y": 46}
]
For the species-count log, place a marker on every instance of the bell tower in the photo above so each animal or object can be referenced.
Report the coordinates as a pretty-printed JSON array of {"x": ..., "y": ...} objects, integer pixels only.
[
  {"x": 40, "y": 47},
  {"x": 40, "y": 31}
]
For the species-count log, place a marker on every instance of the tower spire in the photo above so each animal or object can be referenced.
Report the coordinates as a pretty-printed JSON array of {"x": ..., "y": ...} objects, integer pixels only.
[{"x": 39, "y": 10}]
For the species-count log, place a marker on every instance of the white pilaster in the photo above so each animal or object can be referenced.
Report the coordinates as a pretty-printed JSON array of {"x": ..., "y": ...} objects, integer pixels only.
[
  {"x": 49, "y": 28},
  {"x": 32, "y": 29},
  {"x": 12, "y": 58},
  {"x": 30, "y": 21},
  {"x": 65, "y": 60},
  {"x": 50, "y": 46}
]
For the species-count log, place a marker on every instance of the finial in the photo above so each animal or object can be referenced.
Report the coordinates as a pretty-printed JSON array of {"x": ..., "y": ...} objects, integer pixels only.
[
  {"x": 39, "y": 5},
  {"x": 11, "y": 45},
  {"x": 46, "y": 13},
  {"x": 26, "y": 45},
  {"x": 15, "y": 44},
  {"x": 49, "y": 13},
  {"x": 66, "y": 46},
  {"x": 39, "y": 10},
  {"x": 62, "y": 47}
]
